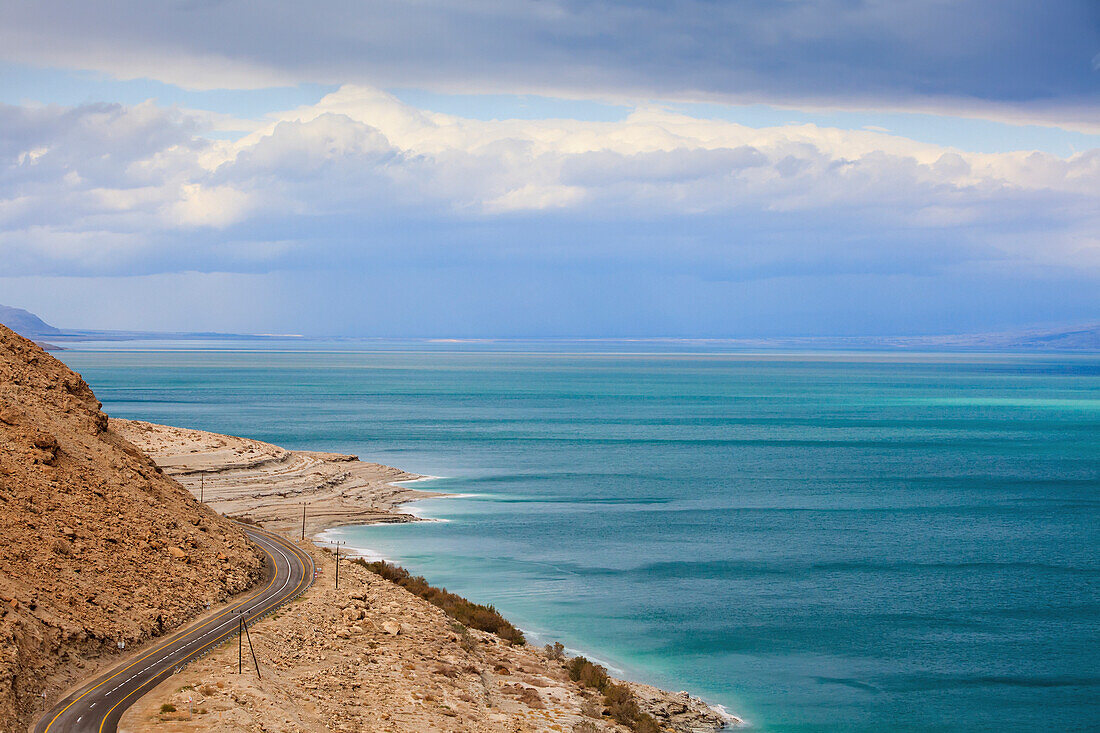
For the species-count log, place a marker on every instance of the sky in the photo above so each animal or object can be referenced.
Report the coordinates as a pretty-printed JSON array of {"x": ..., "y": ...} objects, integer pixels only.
[{"x": 487, "y": 168}]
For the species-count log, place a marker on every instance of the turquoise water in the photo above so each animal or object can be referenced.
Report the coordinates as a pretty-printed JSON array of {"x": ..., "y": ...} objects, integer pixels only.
[{"x": 817, "y": 542}]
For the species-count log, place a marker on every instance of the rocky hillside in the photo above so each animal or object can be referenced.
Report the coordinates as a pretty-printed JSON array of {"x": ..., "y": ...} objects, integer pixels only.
[{"x": 99, "y": 547}]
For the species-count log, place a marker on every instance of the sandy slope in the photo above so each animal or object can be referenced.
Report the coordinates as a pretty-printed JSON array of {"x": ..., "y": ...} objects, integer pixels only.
[
  {"x": 369, "y": 656},
  {"x": 373, "y": 657}
]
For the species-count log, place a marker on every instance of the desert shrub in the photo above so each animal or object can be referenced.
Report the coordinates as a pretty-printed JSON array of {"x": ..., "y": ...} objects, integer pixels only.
[
  {"x": 555, "y": 650},
  {"x": 590, "y": 708},
  {"x": 621, "y": 704},
  {"x": 531, "y": 698},
  {"x": 618, "y": 699},
  {"x": 588, "y": 674},
  {"x": 484, "y": 618},
  {"x": 168, "y": 708},
  {"x": 586, "y": 726}
]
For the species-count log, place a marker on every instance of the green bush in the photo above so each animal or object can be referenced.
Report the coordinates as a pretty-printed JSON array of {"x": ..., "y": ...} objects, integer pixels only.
[
  {"x": 588, "y": 674},
  {"x": 474, "y": 615}
]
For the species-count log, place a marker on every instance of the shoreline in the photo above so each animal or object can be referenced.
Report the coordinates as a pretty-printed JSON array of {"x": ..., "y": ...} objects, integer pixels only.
[
  {"x": 733, "y": 722},
  {"x": 267, "y": 484}
]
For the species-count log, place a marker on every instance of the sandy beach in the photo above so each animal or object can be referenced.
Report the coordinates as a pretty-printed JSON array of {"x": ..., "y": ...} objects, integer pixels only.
[{"x": 369, "y": 655}]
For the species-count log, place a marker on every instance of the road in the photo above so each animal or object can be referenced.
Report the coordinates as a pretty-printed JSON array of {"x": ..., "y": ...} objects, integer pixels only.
[{"x": 97, "y": 706}]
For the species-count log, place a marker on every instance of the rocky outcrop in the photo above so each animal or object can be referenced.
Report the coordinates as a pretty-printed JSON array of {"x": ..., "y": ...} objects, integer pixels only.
[
  {"x": 100, "y": 549},
  {"x": 679, "y": 711},
  {"x": 267, "y": 484}
]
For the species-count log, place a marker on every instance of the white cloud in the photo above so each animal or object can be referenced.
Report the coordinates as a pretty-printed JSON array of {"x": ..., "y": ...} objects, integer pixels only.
[
  {"x": 99, "y": 186},
  {"x": 212, "y": 206}
]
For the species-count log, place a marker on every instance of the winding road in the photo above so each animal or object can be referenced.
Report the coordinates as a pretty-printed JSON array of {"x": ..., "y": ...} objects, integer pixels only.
[{"x": 97, "y": 706}]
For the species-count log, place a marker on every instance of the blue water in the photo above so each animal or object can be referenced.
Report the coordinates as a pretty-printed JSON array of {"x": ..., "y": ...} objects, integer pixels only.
[{"x": 817, "y": 542}]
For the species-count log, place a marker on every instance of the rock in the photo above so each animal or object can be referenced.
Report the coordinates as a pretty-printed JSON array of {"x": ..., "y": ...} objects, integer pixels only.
[
  {"x": 45, "y": 441},
  {"x": 177, "y": 553},
  {"x": 391, "y": 628}
]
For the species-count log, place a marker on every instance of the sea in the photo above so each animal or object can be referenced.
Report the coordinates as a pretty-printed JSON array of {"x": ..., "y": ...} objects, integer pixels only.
[{"x": 815, "y": 541}]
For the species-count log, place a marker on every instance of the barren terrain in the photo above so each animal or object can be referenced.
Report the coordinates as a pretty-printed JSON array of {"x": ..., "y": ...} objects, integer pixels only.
[
  {"x": 265, "y": 483},
  {"x": 99, "y": 547}
]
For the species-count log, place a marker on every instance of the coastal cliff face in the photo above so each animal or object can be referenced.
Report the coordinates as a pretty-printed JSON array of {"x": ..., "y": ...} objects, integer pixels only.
[{"x": 99, "y": 547}]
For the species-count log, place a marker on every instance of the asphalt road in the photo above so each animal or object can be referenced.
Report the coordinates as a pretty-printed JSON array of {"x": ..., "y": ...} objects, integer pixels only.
[{"x": 97, "y": 706}]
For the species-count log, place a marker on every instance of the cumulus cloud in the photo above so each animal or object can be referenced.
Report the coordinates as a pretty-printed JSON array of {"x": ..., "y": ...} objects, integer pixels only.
[{"x": 110, "y": 189}]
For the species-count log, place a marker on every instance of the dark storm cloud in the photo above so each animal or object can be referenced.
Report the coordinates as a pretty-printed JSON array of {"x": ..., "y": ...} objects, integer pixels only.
[{"x": 995, "y": 57}]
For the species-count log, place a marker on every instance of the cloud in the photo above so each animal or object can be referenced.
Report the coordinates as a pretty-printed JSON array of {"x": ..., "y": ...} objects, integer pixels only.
[
  {"x": 1013, "y": 60},
  {"x": 361, "y": 178}
]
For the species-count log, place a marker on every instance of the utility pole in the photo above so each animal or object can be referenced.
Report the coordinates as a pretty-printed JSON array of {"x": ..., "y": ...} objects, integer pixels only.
[
  {"x": 303, "y": 520},
  {"x": 337, "y": 563},
  {"x": 240, "y": 640},
  {"x": 202, "y": 485},
  {"x": 251, "y": 649}
]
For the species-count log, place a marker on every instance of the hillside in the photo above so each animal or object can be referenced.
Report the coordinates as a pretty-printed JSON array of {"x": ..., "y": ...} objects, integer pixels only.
[
  {"x": 26, "y": 323},
  {"x": 99, "y": 546}
]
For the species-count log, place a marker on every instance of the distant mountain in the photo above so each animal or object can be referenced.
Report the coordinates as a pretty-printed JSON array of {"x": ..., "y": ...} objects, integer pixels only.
[
  {"x": 1067, "y": 338},
  {"x": 30, "y": 326},
  {"x": 26, "y": 323},
  {"x": 1076, "y": 338},
  {"x": 1087, "y": 338}
]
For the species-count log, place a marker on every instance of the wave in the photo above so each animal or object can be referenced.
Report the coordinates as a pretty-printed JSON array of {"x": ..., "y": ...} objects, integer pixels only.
[
  {"x": 920, "y": 684},
  {"x": 729, "y": 568}
]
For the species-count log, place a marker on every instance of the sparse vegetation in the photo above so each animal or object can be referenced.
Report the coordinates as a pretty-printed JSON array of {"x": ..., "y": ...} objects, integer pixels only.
[
  {"x": 618, "y": 699},
  {"x": 474, "y": 615},
  {"x": 167, "y": 708},
  {"x": 531, "y": 698},
  {"x": 591, "y": 708},
  {"x": 555, "y": 650}
]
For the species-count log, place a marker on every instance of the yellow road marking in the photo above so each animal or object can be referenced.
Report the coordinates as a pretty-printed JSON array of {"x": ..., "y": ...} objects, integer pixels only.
[
  {"x": 178, "y": 637},
  {"x": 292, "y": 549}
]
